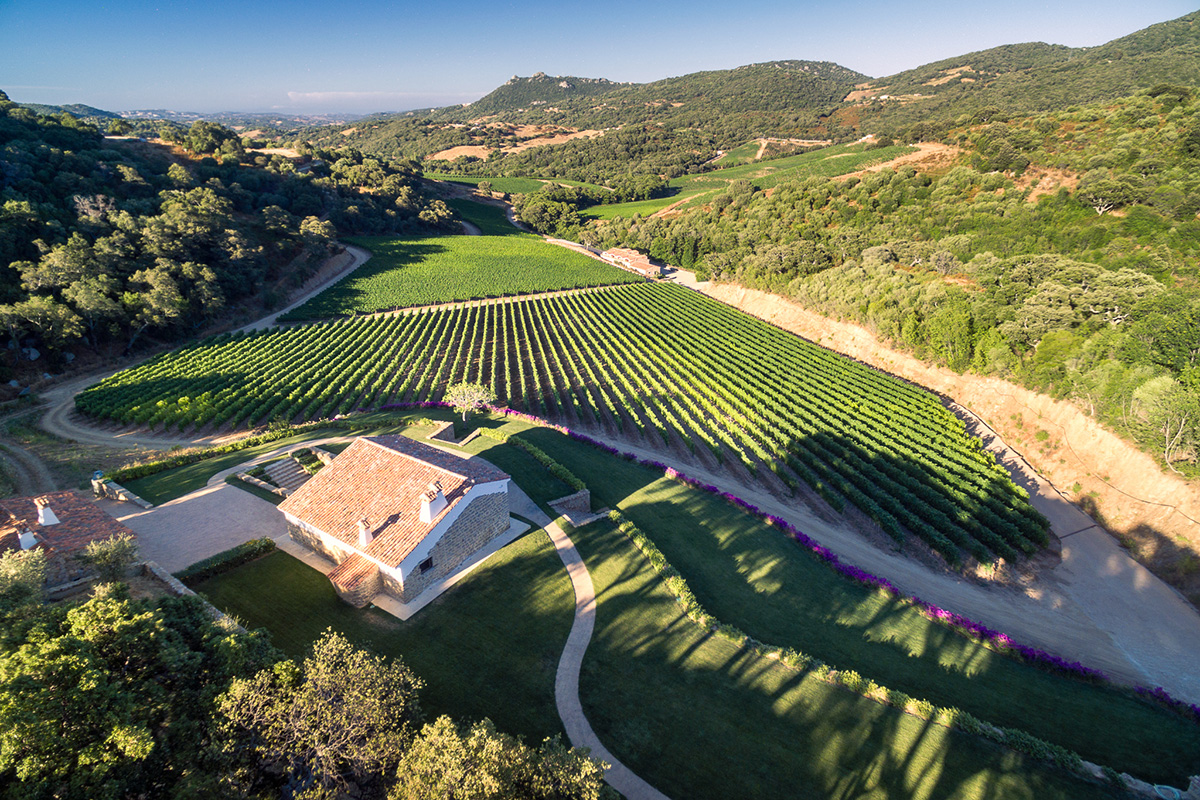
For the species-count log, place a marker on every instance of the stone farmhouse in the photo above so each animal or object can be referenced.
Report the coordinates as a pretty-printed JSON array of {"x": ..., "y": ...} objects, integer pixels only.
[
  {"x": 631, "y": 260},
  {"x": 60, "y": 523},
  {"x": 397, "y": 516}
]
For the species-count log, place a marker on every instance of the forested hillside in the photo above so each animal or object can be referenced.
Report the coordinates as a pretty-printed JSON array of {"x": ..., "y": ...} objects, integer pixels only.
[
  {"x": 1030, "y": 77},
  {"x": 106, "y": 242},
  {"x": 757, "y": 99},
  {"x": 1062, "y": 250},
  {"x": 692, "y": 116}
]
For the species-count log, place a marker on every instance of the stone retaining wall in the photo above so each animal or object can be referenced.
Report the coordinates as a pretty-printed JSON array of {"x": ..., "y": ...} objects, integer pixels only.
[
  {"x": 115, "y": 491},
  {"x": 580, "y": 502},
  {"x": 261, "y": 484}
]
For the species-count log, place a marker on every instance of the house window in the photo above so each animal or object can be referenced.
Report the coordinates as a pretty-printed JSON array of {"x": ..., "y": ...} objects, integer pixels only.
[{"x": 425, "y": 566}]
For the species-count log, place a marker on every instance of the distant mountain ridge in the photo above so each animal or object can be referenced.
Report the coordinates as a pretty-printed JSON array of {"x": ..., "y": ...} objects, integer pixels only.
[
  {"x": 824, "y": 98},
  {"x": 787, "y": 98},
  {"x": 598, "y": 101}
]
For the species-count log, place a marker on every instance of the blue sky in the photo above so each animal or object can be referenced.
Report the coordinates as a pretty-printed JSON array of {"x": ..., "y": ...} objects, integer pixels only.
[{"x": 309, "y": 57}]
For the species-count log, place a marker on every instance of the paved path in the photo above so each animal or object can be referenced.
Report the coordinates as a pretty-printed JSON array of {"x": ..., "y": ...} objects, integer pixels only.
[
  {"x": 198, "y": 525},
  {"x": 566, "y": 680}
]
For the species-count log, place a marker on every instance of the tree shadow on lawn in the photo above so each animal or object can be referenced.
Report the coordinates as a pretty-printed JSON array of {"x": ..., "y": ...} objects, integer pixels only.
[
  {"x": 699, "y": 717},
  {"x": 750, "y": 575}
]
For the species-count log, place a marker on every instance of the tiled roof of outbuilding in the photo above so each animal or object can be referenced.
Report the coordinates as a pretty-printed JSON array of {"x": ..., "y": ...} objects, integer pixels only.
[{"x": 80, "y": 522}]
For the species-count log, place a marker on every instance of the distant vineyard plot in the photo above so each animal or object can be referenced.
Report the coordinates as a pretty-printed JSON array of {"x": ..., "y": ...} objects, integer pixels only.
[
  {"x": 827, "y": 162},
  {"x": 490, "y": 219},
  {"x": 654, "y": 360},
  {"x": 424, "y": 271}
]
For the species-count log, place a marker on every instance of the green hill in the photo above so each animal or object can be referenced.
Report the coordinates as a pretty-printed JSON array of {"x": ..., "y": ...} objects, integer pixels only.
[
  {"x": 77, "y": 110},
  {"x": 1028, "y": 77}
]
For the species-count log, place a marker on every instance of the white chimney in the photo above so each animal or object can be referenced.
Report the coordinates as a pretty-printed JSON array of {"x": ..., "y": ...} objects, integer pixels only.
[
  {"x": 28, "y": 540},
  {"x": 432, "y": 502},
  {"x": 364, "y": 533},
  {"x": 45, "y": 514}
]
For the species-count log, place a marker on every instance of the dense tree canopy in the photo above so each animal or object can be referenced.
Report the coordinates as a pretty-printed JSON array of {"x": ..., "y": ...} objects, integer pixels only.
[{"x": 103, "y": 243}]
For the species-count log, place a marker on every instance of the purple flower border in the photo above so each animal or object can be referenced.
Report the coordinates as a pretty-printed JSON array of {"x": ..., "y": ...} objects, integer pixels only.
[{"x": 975, "y": 630}]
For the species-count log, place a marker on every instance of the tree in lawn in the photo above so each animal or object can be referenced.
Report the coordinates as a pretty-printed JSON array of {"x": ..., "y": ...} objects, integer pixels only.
[
  {"x": 343, "y": 716},
  {"x": 481, "y": 763},
  {"x": 466, "y": 397}
]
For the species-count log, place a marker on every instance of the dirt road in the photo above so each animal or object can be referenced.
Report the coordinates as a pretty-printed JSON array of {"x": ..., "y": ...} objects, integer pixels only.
[
  {"x": 1097, "y": 606},
  {"x": 358, "y": 257},
  {"x": 29, "y": 474}
]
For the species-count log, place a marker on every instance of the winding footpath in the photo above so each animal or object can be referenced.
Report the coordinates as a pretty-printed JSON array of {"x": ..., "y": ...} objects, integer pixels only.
[{"x": 566, "y": 679}]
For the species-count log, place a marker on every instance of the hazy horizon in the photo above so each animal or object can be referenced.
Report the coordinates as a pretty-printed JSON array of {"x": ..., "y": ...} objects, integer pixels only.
[{"x": 372, "y": 57}]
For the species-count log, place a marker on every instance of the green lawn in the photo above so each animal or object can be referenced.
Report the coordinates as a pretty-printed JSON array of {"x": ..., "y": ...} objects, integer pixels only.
[
  {"x": 685, "y": 709},
  {"x": 645, "y": 207},
  {"x": 420, "y": 271},
  {"x": 700, "y": 719},
  {"x": 487, "y": 648},
  {"x": 827, "y": 162},
  {"x": 750, "y": 575},
  {"x": 509, "y": 185}
]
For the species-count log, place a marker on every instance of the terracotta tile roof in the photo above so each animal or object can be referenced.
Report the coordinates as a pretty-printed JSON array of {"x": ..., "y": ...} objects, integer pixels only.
[
  {"x": 352, "y": 573},
  {"x": 80, "y": 521},
  {"x": 382, "y": 479}
]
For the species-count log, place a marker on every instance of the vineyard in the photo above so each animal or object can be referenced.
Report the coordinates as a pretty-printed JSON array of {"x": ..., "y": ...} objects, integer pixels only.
[
  {"x": 652, "y": 361},
  {"x": 419, "y": 271}
]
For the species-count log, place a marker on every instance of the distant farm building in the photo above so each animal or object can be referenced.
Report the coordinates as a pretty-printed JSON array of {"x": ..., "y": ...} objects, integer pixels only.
[
  {"x": 60, "y": 523},
  {"x": 631, "y": 260},
  {"x": 397, "y": 516}
]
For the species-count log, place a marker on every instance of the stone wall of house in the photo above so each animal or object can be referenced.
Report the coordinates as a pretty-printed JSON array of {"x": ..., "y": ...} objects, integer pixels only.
[
  {"x": 315, "y": 542},
  {"x": 391, "y": 584},
  {"x": 485, "y": 518},
  {"x": 62, "y": 569}
]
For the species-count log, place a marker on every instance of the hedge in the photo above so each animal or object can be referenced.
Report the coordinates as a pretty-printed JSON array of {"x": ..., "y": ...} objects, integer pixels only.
[{"x": 226, "y": 560}]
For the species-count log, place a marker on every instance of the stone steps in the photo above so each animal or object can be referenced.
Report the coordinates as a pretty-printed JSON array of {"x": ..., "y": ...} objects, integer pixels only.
[{"x": 287, "y": 474}]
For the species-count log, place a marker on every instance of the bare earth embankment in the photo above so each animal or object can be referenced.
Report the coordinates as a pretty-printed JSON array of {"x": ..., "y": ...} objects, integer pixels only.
[
  {"x": 1097, "y": 601},
  {"x": 1158, "y": 512}
]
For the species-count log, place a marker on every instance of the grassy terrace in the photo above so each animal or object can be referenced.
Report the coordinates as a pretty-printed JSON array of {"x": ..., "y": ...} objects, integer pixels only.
[
  {"x": 689, "y": 711},
  {"x": 748, "y": 574},
  {"x": 510, "y": 185},
  {"x": 700, "y": 719},
  {"x": 474, "y": 664},
  {"x": 428, "y": 270}
]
